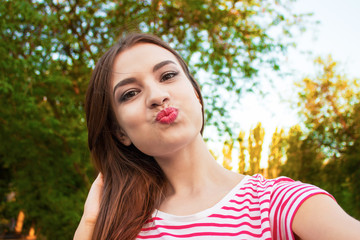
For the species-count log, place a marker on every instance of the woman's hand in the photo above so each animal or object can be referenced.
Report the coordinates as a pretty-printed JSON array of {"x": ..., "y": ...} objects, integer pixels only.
[
  {"x": 92, "y": 203},
  {"x": 91, "y": 210}
]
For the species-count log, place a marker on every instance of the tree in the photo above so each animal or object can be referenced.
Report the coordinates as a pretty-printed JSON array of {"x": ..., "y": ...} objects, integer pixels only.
[
  {"x": 303, "y": 159},
  {"x": 49, "y": 48},
  {"x": 256, "y": 140},
  {"x": 42, "y": 123},
  {"x": 351, "y": 162},
  {"x": 242, "y": 156},
  {"x": 326, "y": 104},
  {"x": 227, "y": 151},
  {"x": 329, "y": 105},
  {"x": 293, "y": 159},
  {"x": 277, "y": 154}
]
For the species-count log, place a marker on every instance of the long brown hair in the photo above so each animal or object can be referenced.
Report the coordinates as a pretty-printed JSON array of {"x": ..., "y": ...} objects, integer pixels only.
[{"x": 134, "y": 184}]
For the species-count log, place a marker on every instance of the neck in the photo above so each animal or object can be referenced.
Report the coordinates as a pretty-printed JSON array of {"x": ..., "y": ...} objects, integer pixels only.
[{"x": 191, "y": 169}]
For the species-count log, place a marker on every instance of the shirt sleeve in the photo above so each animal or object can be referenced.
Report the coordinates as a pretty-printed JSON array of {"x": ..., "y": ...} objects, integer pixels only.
[{"x": 286, "y": 198}]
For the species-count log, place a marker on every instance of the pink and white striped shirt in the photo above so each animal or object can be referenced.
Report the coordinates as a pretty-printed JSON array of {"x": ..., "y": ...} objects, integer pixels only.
[{"x": 257, "y": 208}]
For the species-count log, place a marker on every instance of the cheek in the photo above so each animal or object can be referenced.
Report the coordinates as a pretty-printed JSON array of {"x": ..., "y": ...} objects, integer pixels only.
[
  {"x": 129, "y": 118},
  {"x": 194, "y": 106},
  {"x": 199, "y": 114}
]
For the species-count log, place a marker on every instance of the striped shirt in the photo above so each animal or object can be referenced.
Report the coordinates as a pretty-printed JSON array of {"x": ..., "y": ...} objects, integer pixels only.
[{"x": 257, "y": 208}]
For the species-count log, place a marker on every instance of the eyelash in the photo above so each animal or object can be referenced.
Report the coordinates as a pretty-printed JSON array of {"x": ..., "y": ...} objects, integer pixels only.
[
  {"x": 125, "y": 97},
  {"x": 168, "y": 75}
]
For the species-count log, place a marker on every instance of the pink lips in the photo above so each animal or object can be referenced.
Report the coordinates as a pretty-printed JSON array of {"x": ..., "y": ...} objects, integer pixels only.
[{"x": 168, "y": 115}]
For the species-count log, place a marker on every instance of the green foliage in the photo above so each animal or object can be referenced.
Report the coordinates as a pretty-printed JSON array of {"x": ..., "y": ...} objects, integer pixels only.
[
  {"x": 48, "y": 49},
  {"x": 304, "y": 159},
  {"x": 327, "y": 153}
]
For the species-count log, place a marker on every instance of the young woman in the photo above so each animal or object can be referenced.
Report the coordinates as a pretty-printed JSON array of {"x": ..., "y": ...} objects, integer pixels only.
[{"x": 157, "y": 178}]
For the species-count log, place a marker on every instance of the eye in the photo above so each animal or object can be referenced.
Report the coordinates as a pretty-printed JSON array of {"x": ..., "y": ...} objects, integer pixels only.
[
  {"x": 168, "y": 75},
  {"x": 128, "y": 95}
]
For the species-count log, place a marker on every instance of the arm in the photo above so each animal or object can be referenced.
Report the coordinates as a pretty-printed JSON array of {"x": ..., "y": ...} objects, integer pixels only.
[
  {"x": 320, "y": 217},
  {"x": 91, "y": 211}
]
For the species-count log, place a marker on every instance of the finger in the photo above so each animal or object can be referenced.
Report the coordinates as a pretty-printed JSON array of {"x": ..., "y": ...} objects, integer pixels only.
[
  {"x": 99, "y": 181},
  {"x": 97, "y": 186}
]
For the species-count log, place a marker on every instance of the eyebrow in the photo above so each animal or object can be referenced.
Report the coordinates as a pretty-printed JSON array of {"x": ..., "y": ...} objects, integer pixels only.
[
  {"x": 132, "y": 80},
  {"x": 123, "y": 82},
  {"x": 161, "y": 64}
]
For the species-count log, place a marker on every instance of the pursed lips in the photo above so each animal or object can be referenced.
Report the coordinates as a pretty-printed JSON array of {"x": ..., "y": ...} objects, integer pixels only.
[{"x": 167, "y": 115}]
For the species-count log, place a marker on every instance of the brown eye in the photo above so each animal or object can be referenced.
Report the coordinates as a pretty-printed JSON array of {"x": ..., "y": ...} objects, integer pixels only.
[
  {"x": 168, "y": 75},
  {"x": 128, "y": 95}
]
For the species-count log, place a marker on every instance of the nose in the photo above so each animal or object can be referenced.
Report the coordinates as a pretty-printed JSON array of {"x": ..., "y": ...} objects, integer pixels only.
[{"x": 157, "y": 95}]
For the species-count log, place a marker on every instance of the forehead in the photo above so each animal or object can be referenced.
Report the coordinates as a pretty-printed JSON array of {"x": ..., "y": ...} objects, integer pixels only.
[{"x": 141, "y": 57}]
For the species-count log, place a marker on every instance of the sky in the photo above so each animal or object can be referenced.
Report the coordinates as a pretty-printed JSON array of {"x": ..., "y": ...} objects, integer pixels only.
[{"x": 338, "y": 34}]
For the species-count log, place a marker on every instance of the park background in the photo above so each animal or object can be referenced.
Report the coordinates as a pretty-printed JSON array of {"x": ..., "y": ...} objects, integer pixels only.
[{"x": 281, "y": 89}]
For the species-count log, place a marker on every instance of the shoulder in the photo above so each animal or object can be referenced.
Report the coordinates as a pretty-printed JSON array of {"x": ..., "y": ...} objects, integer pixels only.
[
  {"x": 283, "y": 192},
  {"x": 285, "y": 198},
  {"x": 320, "y": 217},
  {"x": 258, "y": 181},
  {"x": 283, "y": 187},
  {"x": 288, "y": 191}
]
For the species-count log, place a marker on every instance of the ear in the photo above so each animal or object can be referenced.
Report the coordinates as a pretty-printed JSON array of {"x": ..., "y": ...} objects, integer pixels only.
[{"x": 123, "y": 137}]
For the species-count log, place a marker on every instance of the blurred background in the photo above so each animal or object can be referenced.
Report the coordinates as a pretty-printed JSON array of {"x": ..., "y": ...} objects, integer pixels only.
[{"x": 279, "y": 78}]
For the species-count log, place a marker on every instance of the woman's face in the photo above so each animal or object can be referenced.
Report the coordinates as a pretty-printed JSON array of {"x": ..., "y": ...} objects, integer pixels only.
[{"x": 155, "y": 103}]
